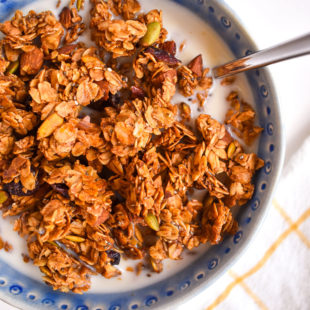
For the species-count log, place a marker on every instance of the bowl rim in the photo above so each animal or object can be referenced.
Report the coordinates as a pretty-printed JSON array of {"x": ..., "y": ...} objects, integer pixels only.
[{"x": 222, "y": 268}]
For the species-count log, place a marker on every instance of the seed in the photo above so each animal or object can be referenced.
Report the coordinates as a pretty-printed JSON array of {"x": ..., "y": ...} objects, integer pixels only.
[
  {"x": 152, "y": 221},
  {"x": 152, "y": 34},
  {"x": 75, "y": 238},
  {"x": 13, "y": 66},
  {"x": 231, "y": 150},
  {"x": 78, "y": 4},
  {"x": 49, "y": 125},
  {"x": 3, "y": 197}
]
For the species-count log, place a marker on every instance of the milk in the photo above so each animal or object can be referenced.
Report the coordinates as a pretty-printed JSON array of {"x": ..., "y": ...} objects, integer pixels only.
[{"x": 199, "y": 38}]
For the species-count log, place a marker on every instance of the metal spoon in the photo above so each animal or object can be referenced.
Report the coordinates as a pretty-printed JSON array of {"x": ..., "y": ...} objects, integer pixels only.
[{"x": 291, "y": 49}]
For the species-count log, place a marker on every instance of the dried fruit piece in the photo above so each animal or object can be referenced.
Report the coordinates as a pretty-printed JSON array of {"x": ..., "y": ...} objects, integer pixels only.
[
  {"x": 49, "y": 125},
  {"x": 137, "y": 92},
  {"x": 152, "y": 221},
  {"x": 161, "y": 55},
  {"x": 196, "y": 65},
  {"x": 74, "y": 238},
  {"x": 61, "y": 188},
  {"x": 67, "y": 49},
  {"x": 18, "y": 189},
  {"x": 152, "y": 34},
  {"x": 115, "y": 256},
  {"x": 13, "y": 66},
  {"x": 3, "y": 197}
]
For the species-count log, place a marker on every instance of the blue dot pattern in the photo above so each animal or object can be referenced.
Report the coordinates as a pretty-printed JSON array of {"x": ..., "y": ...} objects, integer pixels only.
[
  {"x": 151, "y": 301},
  {"x": 16, "y": 289},
  {"x": 238, "y": 236},
  {"x": 213, "y": 263}
]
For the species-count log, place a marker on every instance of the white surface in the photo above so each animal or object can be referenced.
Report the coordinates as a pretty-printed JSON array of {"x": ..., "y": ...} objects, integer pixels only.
[{"x": 268, "y": 23}]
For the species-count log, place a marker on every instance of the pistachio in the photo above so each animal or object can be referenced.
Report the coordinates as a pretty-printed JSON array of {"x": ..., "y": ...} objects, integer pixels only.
[
  {"x": 74, "y": 238},
  {"x": 231, "y": 150},
  {"x": 152, "y": 221},
  {"x": 152, "y": 34},
  {"x": 3, "y": 197},
  {"x": 49, "y": 125},
  {"x": 13, "y": 66},
  {"x": 78, "y": 4}
]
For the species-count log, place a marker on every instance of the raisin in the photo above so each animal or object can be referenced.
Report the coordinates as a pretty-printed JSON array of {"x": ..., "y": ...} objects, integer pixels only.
[
  {"x": 137, "y": 92},
  {"x": 115, "y": 256},
  {"x": 61, "y": 188},
  {"x": 17, "y": 189}
]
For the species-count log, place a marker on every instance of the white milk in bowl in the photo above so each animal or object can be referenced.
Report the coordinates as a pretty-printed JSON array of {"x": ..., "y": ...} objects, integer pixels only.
[{"x": 183, "y": 26}]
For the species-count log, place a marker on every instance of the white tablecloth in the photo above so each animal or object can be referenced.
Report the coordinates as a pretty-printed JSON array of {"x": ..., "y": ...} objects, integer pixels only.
[{"x": 275, "y": 274}]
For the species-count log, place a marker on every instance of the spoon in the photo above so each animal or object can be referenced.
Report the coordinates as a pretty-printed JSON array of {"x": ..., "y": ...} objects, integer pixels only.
[{"x": 290, "y": 49}]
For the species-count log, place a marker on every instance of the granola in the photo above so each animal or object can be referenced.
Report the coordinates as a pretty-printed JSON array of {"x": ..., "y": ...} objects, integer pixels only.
[{"x": 95, "y": 158}]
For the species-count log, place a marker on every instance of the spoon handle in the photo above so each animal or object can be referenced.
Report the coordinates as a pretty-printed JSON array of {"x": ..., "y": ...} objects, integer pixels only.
[{"x": 287, "y": 50}]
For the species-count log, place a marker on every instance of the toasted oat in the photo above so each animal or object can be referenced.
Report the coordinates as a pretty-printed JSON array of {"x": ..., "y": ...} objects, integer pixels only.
[{"x": 92, "y": 154}]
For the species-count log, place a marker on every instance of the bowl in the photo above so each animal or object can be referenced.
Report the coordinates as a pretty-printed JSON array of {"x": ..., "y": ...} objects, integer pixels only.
[{"x": 24, "y": 292}]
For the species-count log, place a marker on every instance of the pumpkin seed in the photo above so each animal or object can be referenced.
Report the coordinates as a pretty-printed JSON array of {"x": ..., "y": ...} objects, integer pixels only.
[
  {"x": 152, "y": 221},
  {"x": 152, "y": 34},
  {"x": 78, "y": 4},
  {"x": 13, "y": 66}
]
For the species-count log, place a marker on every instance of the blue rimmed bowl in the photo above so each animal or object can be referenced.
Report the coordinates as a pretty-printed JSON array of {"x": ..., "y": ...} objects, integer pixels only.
[{"x": 26, "y": 293}]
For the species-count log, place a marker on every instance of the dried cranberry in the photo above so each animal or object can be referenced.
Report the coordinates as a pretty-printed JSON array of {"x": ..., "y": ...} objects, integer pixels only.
[
  {"x": 61, "y": 188},
  {"x": 162, "y": 55},
  {"x": 137, "y": 92},
  {"x": 67, "y": 49},
  {"x": 115, "y": 256},
  {"x": 18, "y": 189}
]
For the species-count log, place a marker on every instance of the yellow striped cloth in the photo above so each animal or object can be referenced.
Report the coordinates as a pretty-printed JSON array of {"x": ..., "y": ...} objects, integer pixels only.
[{"x": 274, "y": 273}]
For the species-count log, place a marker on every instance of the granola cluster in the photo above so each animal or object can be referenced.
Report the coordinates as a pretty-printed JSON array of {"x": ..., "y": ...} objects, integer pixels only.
[{"x": 95, "y": 160}]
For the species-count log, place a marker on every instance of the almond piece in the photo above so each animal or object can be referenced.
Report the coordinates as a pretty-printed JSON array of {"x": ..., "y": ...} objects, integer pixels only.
[
  {"x": 49, "y": 125},
  {"x": 170, "y": 75},
  {"x": 169, "y": 47},
  {"x": 31, "y": 62},
  {"x": 65, "y": 17},
  {"x": 196, "y": 65}
]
